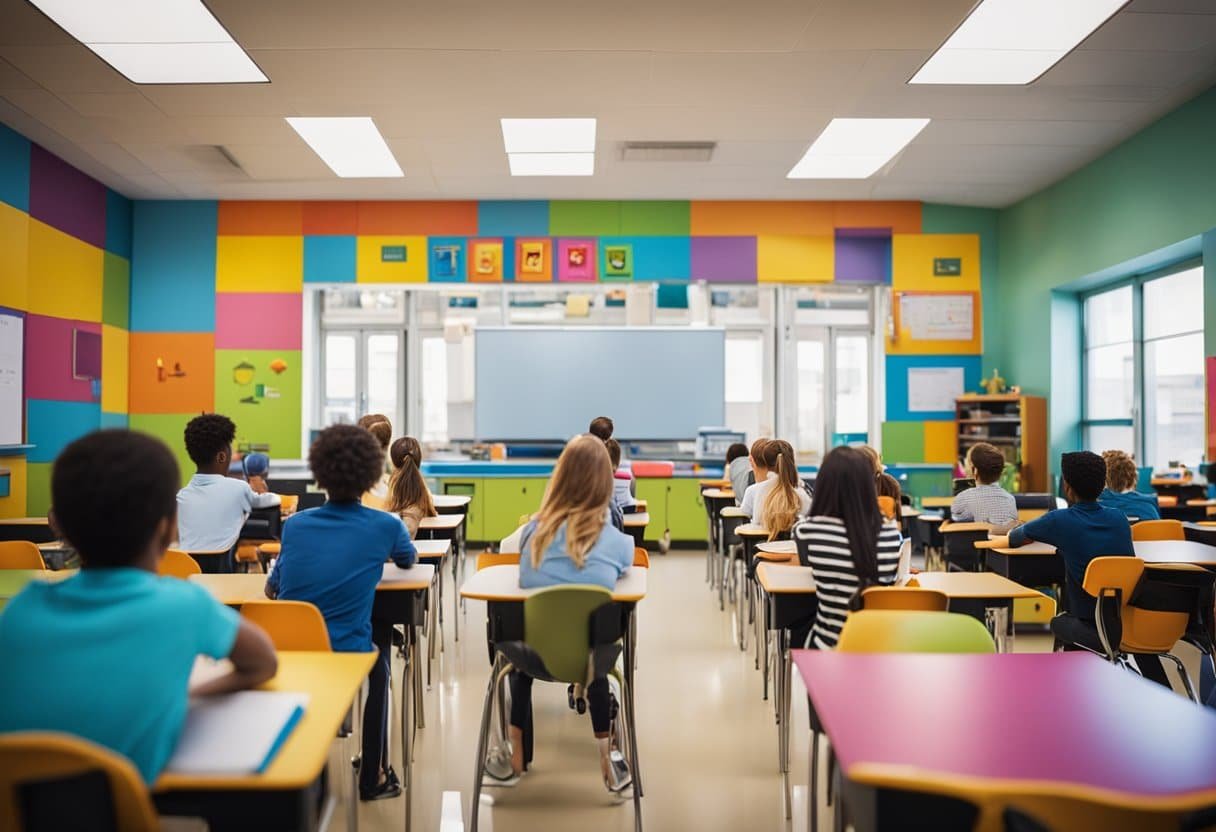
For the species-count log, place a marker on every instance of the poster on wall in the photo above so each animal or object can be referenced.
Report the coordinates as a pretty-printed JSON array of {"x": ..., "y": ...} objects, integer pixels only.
[
  {"x": 485, "y": 261},
  {"x": 618, "y": 261},
  {"x": 938, "y": 317},
  {"x": 447, "y": 262},
  {"x": 576, "y": 260},
  {"x": 934, "y": 389}
]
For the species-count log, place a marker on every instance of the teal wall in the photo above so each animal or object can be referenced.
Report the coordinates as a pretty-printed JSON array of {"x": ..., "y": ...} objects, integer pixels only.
[{"x": 1149, "y": 202}]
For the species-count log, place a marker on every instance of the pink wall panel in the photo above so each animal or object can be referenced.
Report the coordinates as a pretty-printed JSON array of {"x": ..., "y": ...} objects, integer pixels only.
[
  {"x": 258, "y": 321},
  {"x": 48, "y": 359}
]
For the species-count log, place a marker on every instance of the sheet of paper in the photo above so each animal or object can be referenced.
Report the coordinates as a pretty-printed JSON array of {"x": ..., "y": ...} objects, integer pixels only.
[
  {"x": 934, "y": 388},
  {"x": 938, "y": 317},
  {"x": 236, "y": 733}
]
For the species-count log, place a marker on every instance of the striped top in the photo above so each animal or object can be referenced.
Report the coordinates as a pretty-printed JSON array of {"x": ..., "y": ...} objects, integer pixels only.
[{"x": 823, "y": 545}]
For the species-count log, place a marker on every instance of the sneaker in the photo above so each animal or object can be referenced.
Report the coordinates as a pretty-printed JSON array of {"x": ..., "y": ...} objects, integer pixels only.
[
  {"x": 390, "y": 777},
  {"x": 387, "y": 788},
  {"x": 619, "y": 776},
  {"x": 498, "y": 770}
]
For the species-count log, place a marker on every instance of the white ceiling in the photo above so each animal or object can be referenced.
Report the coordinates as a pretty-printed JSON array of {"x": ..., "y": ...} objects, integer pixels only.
[{"x": 761, "y": 78}]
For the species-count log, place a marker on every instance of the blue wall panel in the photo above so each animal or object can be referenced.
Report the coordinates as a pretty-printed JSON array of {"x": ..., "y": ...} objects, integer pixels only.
[
  {"x": 52, "y": 425},
  {"x": 329, "y": 259},
  {"x": 897, "y": 383},
  {"x": 173, "y": 266}
]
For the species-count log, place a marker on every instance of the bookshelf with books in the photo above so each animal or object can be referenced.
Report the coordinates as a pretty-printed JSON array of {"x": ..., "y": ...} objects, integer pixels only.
[{"x": 1015, "y": 424}]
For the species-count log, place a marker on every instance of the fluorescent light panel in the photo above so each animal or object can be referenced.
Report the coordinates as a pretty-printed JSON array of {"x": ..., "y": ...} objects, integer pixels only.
[
  {"x": 156, "y": 41},
  {"x": 1014, "y": 41},
  {"x": 552, "y": 164},
  {"x": 351, "y": 146},
  {"x": 856, "y": 148},
  {"x": 548, "y": 135}
]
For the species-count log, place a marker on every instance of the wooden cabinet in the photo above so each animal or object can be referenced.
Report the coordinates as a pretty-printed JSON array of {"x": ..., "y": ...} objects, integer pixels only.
[{"x": 1017, "y": 425}]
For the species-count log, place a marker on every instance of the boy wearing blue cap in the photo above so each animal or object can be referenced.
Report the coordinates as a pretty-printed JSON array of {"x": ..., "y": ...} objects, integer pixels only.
[{"x": 213, "y": 507}]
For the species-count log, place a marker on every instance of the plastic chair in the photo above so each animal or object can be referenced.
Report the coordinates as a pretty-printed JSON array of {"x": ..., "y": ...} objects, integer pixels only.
[
  {"x": 62, "y": 767},
  {"x": 641, "y": 557},
  {"x": 288, "y": 503},
  {"x": 904, "y": 598},
  {"x": 1142, "y": 614},
  {"x": 177, "y": 564},
  {"x": 906, "y": 631},
  {"x": 291, "y": 625},
  {"x": 958, "y": 540},
  {"x": 20, "y": 554},
  {"x": 886, "y": 505},
  {"x": 1158, "y": 530},
  {"x": 566, "y": 639},
  {"x": 486, "y": 559},
  {"x": 372, "y": 501}
]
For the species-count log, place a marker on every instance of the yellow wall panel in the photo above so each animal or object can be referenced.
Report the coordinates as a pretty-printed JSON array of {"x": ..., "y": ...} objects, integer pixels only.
[
  {"x": 65, "y": 275},
  {"x": 14, "y": 258},
  {"x": 370, "y": 268},
  {"x": 912, "y": 257},
  {"x": 796, "y": 259},
  {"x": 14, "y": 504},
  {"x": 259, "y": 264},
  {"x": 115, "y": 369},
  {"x": 941, "y": 442}
]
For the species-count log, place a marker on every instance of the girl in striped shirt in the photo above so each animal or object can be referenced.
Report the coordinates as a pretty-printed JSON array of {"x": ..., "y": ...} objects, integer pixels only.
[{"x": 845, "y": 541}]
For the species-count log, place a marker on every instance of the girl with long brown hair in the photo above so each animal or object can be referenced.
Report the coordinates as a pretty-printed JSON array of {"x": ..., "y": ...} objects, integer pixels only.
[
  {"x": 408, "y": 496},
  {"x": 570, "y": 541}
]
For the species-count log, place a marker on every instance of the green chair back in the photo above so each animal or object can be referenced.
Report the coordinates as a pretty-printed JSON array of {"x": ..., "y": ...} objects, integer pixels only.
[
  {"x": 557, "y": 626},
  {"x": 904, "y": 631}
]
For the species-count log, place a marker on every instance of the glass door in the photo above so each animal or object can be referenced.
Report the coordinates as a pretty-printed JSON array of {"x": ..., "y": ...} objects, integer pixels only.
[
  {"x": 850, "y": 387},
  {"x": 833, "y": 384},
  {"x": 363, "y": 371}
]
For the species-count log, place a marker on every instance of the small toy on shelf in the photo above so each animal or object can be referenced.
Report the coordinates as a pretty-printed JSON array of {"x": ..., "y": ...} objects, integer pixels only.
[{"x": 995, "y": 385}]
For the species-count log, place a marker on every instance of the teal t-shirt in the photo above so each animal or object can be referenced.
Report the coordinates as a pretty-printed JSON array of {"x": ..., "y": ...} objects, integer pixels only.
[{"x": 106, "y": 655}]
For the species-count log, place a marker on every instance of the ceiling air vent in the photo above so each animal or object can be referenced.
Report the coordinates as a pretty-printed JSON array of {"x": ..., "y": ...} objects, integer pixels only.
[{"x": 667, "y": 151}]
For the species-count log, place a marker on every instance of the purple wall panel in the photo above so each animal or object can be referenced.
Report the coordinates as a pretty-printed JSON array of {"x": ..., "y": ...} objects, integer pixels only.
[
  {"x": 724, "y": 259},
  {"x": 64, "y": 198},
  {"x": 863, "y": 255}
]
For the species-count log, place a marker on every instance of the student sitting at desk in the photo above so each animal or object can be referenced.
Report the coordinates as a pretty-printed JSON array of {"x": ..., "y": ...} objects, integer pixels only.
[
  {"x": 1083, "y": 531},
  {"x": 622, "y": 481},
  {"x": 408, "y": 496},
  {"x": 378, "y": 425},
  {"x": 987, "y": 502},
  {"x": 738, "y": 470},
  {"x": 107, "y": 654},
  {"x": 779, "y": 499},
  {"x": 1121, "y": 493},
  {"x": 333, "y": 557},
  {"x": 213, "y": 506},
  {"x": 601, "y": 427},
  {"x": 569, "y": 542},
  {"x": 755, "y": 459},
  {"x": 845, "y": 541}
]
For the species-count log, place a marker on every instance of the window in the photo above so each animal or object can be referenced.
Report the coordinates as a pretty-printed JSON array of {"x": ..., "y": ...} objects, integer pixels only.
[{"x": 1144, "y": 380}]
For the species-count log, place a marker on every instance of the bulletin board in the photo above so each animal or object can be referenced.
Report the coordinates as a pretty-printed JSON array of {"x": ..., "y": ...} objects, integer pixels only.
[
  {"x": 935, "y": 323},
  {"x": 12, "y": 363}
]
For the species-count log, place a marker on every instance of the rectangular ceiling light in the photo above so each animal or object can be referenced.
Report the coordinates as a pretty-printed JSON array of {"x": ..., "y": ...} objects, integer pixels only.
[
  {"x": 552, "y": 164},
  {"x": 351, "y": 146},
  {"x": 548, "y": 135},
  {"x": 156, "y": 41},
  {"x": 1014, "y": 41},
  {"x": 856, "y": 148}
]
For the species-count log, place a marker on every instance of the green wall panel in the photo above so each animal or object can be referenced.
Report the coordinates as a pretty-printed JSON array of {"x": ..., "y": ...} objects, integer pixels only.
[
  {"x": 272, "y": 418},
  {"x": 169, "y": 428},
  {"x": 37, "y": 488},
  {"x": 584, "y": 218},
  {"x": 655, "y": 218},
  {"x": 904, "y": 441},
  {"x": 116, "y": 292}
]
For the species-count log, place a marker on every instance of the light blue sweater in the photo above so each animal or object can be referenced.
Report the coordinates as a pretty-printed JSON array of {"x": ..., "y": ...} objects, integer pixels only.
[{"x": 609, "y": 558}]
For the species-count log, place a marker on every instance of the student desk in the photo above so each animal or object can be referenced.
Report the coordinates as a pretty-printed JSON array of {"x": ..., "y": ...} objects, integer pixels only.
[
  {"x": 936, "y": 502},
  {"x": 635, "y": 526},
  {"x": 723, "y": 482},
  {"x": 1035, "y": 564},
  {"x": 751, "y": 535},
  {"x": 1103, "y": 734},
  {"x": 401, "y": 599},
  {"x": 33, "y": 529},
  {"x": 13, "y": 581},
  {"x": 729, "y": 517},
  {"x": 927, "y": 531},
  {"x": 58, "y": 555},
  {"x": 435, "y": 552},
  {"x": 777, "y": 551},
  {"x": 715, "y": 499},
  {"x": 790, "y": 597},
  {"x": 1176, "y": 551},
  {"x": 982, "y": 595},
  {"x": 285, "y": 796},
  {"x": 499, "y": 587}
]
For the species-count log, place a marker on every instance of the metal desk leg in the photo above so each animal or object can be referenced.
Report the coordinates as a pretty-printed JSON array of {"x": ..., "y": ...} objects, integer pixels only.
[
  {"x": 415, "y": 661},
  {"x": 782, "y": 684},
  {"x": 408, "y": 686},
  {"x": 630, "y": 647},
  {"x": 1000, "y": 625},
  {"x": 356, "y": 741}
]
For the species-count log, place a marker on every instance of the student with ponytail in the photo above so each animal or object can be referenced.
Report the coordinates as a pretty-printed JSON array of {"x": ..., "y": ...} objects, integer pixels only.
[
  {"x": 845, "y": 541},
  {"x": 408, "y": 495},
  {"x": 785, "y": 500}
]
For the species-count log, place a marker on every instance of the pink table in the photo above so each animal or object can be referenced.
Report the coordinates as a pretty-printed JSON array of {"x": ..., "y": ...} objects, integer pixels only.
[{"x": 1061, "y": 719}]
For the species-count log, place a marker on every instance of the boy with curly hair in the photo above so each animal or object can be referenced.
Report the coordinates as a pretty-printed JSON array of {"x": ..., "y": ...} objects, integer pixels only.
[{"x": 333, "y": 557}]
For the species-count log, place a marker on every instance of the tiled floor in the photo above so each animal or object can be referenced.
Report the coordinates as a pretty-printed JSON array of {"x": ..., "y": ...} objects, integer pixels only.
[{"x": 707, "y": 739}]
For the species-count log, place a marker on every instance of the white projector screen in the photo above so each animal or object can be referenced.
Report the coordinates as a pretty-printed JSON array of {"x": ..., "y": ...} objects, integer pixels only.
[{"x": 536, "y": 383}]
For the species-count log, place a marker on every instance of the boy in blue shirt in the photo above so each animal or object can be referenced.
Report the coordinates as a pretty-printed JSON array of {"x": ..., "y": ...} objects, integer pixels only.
[
  {"x": 1083, "y": 531},
  {"x": 333, "y": 557},
  {"x": 1121, "y": 493},
  {"x": 107, "y": 654}
]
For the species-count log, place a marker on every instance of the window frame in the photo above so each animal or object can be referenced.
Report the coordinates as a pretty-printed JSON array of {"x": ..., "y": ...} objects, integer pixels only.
[{"x": 1137, "y": 282}]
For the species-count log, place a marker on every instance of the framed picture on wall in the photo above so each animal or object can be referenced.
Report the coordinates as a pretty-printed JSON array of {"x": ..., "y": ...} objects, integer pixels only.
[
  {"x": 576, "y": 260},
  {"x": 485, "y": 261},
  {"x": 618, "y": 261}
]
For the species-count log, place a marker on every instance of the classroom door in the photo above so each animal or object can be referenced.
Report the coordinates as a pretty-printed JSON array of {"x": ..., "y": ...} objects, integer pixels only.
[
  {"x": 833, "y": 384},
  {"x": 364, "y": 372}
]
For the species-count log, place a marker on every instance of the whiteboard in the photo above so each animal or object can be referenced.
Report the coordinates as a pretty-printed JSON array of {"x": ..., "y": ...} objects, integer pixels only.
[
  {"x": 537, "y": 383},
  {"x": 934, "y": 388},
  {"x": 12, "y": 352},
  {"x": 938, "y": 317}
]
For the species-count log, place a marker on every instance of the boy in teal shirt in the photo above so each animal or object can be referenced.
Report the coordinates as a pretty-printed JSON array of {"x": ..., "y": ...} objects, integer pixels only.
[{"x": 106, "y": 654}]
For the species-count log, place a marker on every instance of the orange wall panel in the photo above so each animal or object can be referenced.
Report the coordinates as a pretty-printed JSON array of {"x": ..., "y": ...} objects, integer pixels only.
[
  {"x": 331, "y": 218},
  {"x": 260, "y": 218},
  {"x": 426, "y": 219},
  {"x": 191, "y": 392},
  {"x": 756, "y": 218},
  {"x": 900, "y": 217}
]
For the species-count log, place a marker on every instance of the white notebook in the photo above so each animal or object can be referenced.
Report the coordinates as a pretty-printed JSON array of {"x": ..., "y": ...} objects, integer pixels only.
[
  {"x": 236, "y": 733},
  {"x": 395, "y": 574}
]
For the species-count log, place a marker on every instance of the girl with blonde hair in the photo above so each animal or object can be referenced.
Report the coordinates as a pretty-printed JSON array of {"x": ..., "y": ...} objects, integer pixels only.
[
  {"x": 570, "y": 541},
  {"x": 378, "y": 425},
  {"x": 785, "y": 500},
  {"x": 408, "y": 496}
]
